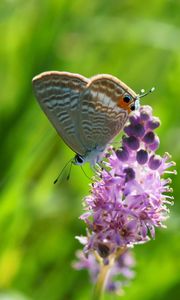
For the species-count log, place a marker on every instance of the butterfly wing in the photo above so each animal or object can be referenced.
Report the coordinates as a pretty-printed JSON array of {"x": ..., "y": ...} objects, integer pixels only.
[
  {"x": 58, "y": 94},
  {"x": 102, "y": 118}
]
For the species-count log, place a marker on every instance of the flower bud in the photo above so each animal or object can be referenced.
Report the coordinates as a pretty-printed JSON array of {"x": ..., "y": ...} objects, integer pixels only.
[
  {"x": 149, "y": 137},
  {"x": 122, "y": 154},
  {"x": 138, "y": 130},
  {"x": 131, "y": 142},
  {"x": 153, "y": 123},
  {"x": 155, "y": 145},
  {"x": 155, "y": 162},
  {"x": 142, "y": 156},
  {"x": 145, "y": 112}
]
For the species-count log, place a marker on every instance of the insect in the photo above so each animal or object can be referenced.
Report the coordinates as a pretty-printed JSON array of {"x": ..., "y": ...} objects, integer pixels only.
[{"x": 86, "y": 113}]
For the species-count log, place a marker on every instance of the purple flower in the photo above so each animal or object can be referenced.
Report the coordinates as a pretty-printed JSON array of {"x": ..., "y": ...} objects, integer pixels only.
[{"x": 128, "y": 199}]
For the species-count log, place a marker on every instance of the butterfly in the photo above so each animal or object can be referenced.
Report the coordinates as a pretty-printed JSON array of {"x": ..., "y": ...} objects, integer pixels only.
[{"x": 86, "y": 113}]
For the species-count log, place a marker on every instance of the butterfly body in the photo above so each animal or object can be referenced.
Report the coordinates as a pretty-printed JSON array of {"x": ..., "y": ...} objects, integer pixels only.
[{"x": 86, "y": 113}]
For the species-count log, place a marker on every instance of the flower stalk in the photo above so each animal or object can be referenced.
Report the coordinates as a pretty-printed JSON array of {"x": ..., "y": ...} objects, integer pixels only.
[
  {"x": 104, "y": 273},
  {"x": 101, "y": 282}
]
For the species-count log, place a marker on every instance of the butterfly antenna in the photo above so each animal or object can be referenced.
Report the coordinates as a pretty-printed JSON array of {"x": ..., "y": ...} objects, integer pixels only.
[
  {"x": 85, "y": 173},
  {"x": 69, "y": 173},
  {"x": 143, "y": 93},
  {"x": 70, "y": 161}
]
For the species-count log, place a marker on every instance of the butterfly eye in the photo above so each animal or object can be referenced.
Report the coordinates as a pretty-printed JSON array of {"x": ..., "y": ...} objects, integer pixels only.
[
  {"x": 132, "y": 107},
  {"x": 127, "y": 98},
  {"x": 79, "y": 159}
]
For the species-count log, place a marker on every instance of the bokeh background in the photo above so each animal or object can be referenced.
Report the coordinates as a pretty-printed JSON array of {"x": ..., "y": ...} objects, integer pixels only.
[{"x": 137, "y": 41}]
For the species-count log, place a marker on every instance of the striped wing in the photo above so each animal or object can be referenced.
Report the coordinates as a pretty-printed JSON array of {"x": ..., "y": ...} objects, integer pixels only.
[
  {"x": 58, "y": 94},
  {"x": 101, "y": 117}
]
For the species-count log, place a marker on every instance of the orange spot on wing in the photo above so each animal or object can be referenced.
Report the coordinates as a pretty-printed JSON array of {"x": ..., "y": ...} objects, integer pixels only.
[{"x": 123, "y": 105}]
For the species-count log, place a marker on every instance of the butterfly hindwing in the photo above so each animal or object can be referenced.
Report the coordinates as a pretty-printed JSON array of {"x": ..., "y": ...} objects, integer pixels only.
[
  {"x": 58, "y": 94},
  {"x": 101, "y": 117}
]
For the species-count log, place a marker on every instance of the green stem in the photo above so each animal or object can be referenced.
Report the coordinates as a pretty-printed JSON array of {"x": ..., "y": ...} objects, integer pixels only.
[
  {"x": 101, "y": 281},
  {"x": 103, "y": 274}
]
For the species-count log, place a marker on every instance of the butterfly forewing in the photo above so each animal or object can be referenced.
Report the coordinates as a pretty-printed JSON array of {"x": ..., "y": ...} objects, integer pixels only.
[{"x": 58, "y": 94}]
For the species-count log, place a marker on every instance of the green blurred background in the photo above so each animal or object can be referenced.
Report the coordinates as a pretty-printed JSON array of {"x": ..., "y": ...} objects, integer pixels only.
[{"x": 137, "y": 41}]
